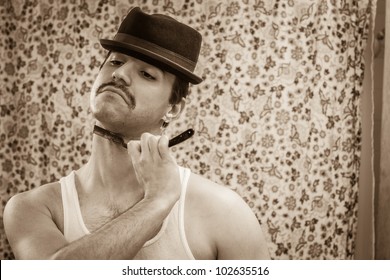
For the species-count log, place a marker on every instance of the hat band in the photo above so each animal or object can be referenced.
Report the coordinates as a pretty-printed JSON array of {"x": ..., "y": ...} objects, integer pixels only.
[{"x": 157, "y": 50}]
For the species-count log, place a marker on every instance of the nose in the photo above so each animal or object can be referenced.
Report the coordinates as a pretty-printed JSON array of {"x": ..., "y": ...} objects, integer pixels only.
[{"x": 122, "y": 74}]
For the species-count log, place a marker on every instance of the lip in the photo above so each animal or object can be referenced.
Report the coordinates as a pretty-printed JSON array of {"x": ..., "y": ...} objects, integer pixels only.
[{"x": 117, "y": 91}]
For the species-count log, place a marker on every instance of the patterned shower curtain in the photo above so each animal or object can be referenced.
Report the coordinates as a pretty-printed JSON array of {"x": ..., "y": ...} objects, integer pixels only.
[{"x": 277, "y": 117}]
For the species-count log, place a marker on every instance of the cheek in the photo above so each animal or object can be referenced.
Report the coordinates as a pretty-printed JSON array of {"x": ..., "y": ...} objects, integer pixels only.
[
  {"x": 92, "y": 95},
  {"x": 151, "y": 108},
  {"x": 98, "y": 81},
  {"x": 156, "y": 96}
]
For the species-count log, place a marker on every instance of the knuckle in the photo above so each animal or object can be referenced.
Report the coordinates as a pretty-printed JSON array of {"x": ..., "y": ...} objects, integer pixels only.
[
  {"x": 145, "y": 136},
  {"x": 149, "y": 138},
  {"x": 153, "y": 139},
  {"x": 131, "y": 145}
]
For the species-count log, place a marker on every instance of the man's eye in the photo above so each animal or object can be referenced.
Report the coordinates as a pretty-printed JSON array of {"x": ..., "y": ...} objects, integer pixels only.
[
  {"x": 146, "y": 75},
  {"x": 116, "y": 62}
]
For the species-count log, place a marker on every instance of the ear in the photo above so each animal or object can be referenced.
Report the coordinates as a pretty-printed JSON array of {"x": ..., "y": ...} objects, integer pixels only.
[{"x": 176, "y": 110}]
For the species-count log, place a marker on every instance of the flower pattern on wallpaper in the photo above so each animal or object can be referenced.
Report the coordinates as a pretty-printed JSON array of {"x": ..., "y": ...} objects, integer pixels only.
[{"x": 277, "y": 117}]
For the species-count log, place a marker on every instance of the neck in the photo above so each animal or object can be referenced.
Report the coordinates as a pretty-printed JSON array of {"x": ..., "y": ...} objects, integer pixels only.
[{"x": 109, "y": 169}]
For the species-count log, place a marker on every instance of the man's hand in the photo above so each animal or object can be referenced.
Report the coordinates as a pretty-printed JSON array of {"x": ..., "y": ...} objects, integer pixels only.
[{"x": 155, "y": 168}]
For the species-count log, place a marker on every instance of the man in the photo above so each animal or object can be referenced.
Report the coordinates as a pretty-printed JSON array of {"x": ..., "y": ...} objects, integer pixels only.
[{"x": 136, "y": 203}]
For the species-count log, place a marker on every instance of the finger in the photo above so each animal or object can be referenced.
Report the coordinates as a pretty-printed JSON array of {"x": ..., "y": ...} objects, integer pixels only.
[
  {"x": 145, "y": 151},
  {"x": 163, "y": 147},
  {"x": 152, "y": 142},
  {"x": 134, "y": 144},
  {"x": 134, "y": 150}
]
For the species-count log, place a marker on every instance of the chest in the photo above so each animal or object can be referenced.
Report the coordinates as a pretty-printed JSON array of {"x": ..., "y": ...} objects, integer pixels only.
[
  {"x": 170, "y": 242},
  {"x": 96, "y": 211}
]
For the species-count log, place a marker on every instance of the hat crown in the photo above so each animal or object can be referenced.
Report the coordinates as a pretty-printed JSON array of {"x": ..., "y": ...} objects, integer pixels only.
[
  {"x": 160, "y": 40},
  {"x": 163, "y": 31}
]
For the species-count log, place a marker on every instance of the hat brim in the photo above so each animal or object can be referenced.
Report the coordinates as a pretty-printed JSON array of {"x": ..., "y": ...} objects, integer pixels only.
[{"x": 152, "y": 58}]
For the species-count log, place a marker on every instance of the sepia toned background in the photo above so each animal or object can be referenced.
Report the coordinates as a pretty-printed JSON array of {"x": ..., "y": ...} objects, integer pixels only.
[{"x": 277, "y": 118}]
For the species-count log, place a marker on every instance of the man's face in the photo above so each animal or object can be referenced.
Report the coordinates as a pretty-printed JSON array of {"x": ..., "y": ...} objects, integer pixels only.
[{"x": 130, "y": 96}]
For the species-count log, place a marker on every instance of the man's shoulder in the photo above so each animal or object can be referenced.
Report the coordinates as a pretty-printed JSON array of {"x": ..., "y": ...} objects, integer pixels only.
[
  {"x": 204, "y": 193},
  {"x": 230, "y": 226},
  {"x": 31, "y": 216},
  {"x": 207, "y": 205},
  {"x": 42, "y": 196}
]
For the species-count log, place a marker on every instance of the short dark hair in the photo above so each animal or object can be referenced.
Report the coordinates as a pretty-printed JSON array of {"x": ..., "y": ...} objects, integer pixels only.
[
  {"x": 179, "y": 91},
  {"x": 179, "y": 87}
]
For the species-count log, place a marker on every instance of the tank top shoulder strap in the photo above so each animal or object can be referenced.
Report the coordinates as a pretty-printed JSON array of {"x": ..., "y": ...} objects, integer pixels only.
[
  {"x": 74, "y": 227},
  {"x": 185, "y": 176}
]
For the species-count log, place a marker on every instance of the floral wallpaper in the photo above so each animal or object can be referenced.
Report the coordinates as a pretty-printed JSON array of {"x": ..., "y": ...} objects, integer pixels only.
[{"x": 277, "y": 118}]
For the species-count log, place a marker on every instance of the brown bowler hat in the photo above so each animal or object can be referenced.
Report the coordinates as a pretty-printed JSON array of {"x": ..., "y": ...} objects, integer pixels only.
[{"x": 159, "y": 40}]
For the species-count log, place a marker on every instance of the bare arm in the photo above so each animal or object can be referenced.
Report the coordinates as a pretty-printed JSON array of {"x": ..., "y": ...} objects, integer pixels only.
[
  {"x": 220, "y": 225},
  {"x": 235, "y": 230},
  {"x": 33, "y": 234},
  {"x": 123, "y": 237},
  {"x": 240, "y": 237}
]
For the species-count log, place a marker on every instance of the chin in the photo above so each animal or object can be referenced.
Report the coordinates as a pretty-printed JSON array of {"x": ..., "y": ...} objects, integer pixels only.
[
  {"x": 108, "y": 112},
  {"x": 125, "y": 130},
  {"x": 108, "y": 120},
  {"x": 117, "y": 121}
]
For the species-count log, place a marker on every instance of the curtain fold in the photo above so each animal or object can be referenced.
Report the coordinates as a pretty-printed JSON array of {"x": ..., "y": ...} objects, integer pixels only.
[
  {"x": 382, "y": 222},
  {"x": 277, "y": 118}
]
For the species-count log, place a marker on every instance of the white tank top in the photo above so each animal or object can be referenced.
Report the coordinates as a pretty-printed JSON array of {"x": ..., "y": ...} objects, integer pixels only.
[{"x": 169, "y": 244}]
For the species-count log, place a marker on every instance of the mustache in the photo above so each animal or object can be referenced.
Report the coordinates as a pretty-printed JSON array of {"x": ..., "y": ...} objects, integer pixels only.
[{"x": 119, "y": 86}]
